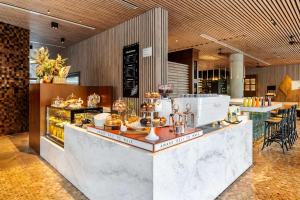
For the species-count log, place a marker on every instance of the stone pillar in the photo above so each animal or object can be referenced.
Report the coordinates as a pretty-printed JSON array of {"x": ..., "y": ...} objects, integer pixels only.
[{"x": 236, "y": 75}]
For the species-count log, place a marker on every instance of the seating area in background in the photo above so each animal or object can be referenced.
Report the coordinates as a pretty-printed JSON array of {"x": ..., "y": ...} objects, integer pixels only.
[{"x": 281, "y": 128}]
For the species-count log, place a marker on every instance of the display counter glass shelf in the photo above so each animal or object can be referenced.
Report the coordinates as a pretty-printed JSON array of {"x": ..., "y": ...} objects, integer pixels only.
[{"x": 58, "y": 117}]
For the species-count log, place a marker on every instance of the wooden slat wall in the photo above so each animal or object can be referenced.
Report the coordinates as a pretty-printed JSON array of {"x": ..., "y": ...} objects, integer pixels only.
[
  {"x": 99, "y": 58},
  {"x": 273, "y": 75},
  {"x": 178, "y": 75}
]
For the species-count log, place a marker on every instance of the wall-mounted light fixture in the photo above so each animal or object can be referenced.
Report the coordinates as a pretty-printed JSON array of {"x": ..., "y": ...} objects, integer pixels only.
[{"x": 62, "y": 40}]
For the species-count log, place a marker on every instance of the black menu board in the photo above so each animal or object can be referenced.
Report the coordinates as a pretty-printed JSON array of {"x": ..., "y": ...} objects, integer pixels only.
[{"x": 131, "y": 71}]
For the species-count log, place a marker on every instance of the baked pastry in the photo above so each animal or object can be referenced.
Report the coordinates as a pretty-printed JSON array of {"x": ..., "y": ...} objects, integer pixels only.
[
  {"x": 156, "y": 122},
  {"x": 163, "y": 121},
  {"x": 113, "y": 120},
  {"x": 143, "y": 121},
  {"x": 150, "y": 107},
  {"x": 132, "y": 119},
  {"x": 144, "y": 106},
  {"x": 147, "y": 95}
]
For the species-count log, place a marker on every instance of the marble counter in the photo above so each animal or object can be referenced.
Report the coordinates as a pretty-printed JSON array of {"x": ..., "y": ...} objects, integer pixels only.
[
  {"x": 259, "y": 115},
  {"x": 198, "y": 169},
  {"x": 274, "y": 106}
]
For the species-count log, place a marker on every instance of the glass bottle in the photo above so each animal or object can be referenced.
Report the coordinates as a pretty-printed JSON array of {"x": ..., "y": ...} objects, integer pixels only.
[
  {"x": 189, "y": 117},
  {"x": 249, "y": 102},
  {"x": 245, "y": 102},
  {"x": 257, "y": 102}
]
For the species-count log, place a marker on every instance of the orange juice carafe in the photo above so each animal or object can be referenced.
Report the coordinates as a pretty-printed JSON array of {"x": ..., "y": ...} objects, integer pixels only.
[{"x": 257, "y": 102}]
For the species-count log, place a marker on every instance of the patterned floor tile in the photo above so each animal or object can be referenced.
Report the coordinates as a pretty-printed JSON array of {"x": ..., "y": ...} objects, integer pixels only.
[{"x": 25, "y": 176}]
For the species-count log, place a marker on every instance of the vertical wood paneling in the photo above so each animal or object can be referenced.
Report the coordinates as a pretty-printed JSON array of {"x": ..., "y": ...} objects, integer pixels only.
[
  {"x": 99, "y": 58},
  {"x": 178, "y": 75},
  {"x": 273, "y": 75}
]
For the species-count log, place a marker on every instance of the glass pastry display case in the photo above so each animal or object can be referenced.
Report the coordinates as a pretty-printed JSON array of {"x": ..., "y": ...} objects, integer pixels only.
[{"x": 58, "y": 117}]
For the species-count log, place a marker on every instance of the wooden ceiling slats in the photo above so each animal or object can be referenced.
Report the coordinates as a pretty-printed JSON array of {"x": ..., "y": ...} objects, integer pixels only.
[
  {"x": 285, "y": 32},
  {"x": 244, "y": 24},
  {"x": 292, "y": 22},
  {"x": 263, "y": 10}
]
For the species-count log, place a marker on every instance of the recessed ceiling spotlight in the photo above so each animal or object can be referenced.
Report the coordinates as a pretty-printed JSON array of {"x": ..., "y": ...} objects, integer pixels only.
[
  {"x": 176, "y": 40},
  {"x": 54, "y": 25},
  {"x": 273, "y": 22},
  {"x": 62, "y": 40}
]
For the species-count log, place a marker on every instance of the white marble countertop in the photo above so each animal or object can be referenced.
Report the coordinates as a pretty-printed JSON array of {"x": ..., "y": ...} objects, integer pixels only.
[{"x": 274, "y": 106}]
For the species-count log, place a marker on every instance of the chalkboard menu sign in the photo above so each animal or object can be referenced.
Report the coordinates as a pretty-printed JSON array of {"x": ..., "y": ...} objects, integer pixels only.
[{"x": 131, "y": 71}]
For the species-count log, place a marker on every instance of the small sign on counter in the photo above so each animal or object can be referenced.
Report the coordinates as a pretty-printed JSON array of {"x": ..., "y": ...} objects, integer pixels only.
[{"x": 144, "y": 144}]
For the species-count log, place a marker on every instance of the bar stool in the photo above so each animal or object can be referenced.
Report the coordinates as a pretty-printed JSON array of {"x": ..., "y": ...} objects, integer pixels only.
[
  {"x": 294, "y": 133},
  {"x": 276, "y": 130}
]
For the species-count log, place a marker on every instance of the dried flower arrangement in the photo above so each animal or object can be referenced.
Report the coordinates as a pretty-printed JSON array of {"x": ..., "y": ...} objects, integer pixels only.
[{"x": 47, "y": 69}]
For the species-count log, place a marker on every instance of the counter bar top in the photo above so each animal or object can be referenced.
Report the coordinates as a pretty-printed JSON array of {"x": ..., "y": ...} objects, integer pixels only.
[
  {"x": 274, "y": 106},
  {"x": 166, "y": 138}
]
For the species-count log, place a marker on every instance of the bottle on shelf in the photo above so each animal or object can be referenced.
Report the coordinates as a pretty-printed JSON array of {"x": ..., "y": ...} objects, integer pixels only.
[
  {"x": 245, "y": 102},
  {"x": 257, "y": 102},
  {"x": 262, "y": 102},
  {"x": 269, "y": 101},
  {"x": 253, "y": 102},
  {"x": 249, "y": 102}
]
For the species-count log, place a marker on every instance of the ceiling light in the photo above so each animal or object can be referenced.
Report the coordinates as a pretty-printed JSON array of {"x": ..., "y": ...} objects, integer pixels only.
[
  {"x": 46, "y": 44},
  {"x": 127, "y": 4},
  {"x": 273, "y": 22},
  {"x": 47, "y": 16},
  {"x": 54, "y": 25},
  {"x": 176, "y": 40},
  {"x": 232, "y": 48}
]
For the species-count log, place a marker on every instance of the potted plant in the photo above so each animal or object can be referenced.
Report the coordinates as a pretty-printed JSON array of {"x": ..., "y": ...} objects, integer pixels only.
[{"x": 50, "y": 70}]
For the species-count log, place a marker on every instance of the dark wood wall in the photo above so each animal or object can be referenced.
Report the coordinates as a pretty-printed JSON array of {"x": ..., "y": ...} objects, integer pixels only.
[
  {"x": 14, "y": 79},
  {"x": 100, "y": 60}
]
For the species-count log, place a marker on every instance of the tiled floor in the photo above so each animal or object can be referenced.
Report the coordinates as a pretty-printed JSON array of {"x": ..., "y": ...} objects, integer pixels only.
[{"x": 24, "y": 175}]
